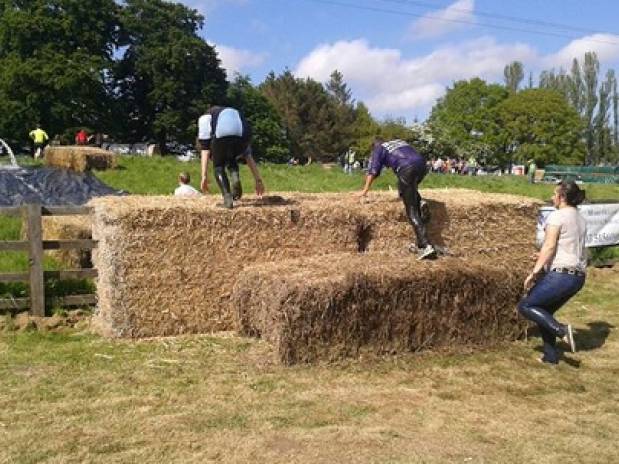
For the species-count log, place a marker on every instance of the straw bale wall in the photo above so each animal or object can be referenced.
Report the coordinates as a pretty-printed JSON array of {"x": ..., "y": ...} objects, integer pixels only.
[
  {"x": 167, "y": 265},
  {"x": 79, "y": 158},
  {"x": 342, "y": 305}
]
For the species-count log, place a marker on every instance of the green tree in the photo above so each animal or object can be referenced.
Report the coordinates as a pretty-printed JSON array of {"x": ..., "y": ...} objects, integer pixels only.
[
  {"x": 591, "y": 70},
  {"x": 465, "y": 119},
  {"x": 268, "y": 134},
  {"x": 540, "y": 124},
  {"x": 603, "y": 136},
  {"x": 513, "y": 74},
  {"x": 577, "y": 88},
  {"x": 559, "y": 82},
  {"x": 55, "y": 59},
  {"x": 167, "y": 75},
  {"x": 343, "y": 112},
  {"x": 308, "y": 112},
  {"x": 364, "y": 129},
  {"x": 614, "y": 103}
]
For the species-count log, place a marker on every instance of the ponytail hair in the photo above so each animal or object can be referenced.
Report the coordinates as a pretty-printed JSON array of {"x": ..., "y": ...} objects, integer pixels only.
[{"x": 573, "y": 194}]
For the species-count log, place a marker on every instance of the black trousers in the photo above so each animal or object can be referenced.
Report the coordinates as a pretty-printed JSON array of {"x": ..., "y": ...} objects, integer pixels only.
[
  {"x": 225, "y": 152},
  {"x": 409, "y": 179}
]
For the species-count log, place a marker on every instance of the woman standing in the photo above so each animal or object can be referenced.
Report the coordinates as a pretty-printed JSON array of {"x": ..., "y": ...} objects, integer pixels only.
[{"x": 559, "y": 272}]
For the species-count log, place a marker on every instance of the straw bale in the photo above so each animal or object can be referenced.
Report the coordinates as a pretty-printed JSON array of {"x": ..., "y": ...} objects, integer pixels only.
[
  {"x": 167, "y": 265},
  {"x": 66, "y": 228},
  {"x": 69, "y": 228},
  {"x": 466, "y": 222},
  {"x": 79, "y": 158},
  {"x": 337, "y": 306}
]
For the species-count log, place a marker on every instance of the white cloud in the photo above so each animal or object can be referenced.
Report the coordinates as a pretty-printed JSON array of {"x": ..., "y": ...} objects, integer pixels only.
[
  {"x": 605, "y": 45},
  {"x": 441, "y": 22},
  {"x": 238, "y": 60},
  {"x": 388, "y": 82}
]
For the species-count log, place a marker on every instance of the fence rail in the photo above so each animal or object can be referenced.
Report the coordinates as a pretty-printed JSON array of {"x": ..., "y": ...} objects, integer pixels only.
[{"x": 35, "y": 246}]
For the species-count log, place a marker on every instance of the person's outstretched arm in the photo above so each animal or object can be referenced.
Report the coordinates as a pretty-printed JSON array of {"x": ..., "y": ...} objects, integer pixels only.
[
  {"x": 249, "y": 159},
  {"x": 368, "y": 183},
  {"x": 204, "y": 163}
]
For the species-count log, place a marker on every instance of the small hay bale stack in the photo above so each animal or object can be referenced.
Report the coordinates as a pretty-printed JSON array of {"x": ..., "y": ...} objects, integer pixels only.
[
  {"x": 79, "y": 159},
  {"x": 69, "y": 228},
  {"x": 167, "y": 265},
  {"x": 337, "y": 306},
  {"x": 66, "y": 228}
]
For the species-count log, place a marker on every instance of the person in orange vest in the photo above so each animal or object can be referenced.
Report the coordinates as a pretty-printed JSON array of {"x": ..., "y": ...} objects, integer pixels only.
[{"x": 81, "y": 138}]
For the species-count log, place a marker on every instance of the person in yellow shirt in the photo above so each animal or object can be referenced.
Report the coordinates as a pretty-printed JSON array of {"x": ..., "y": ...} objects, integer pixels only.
[{"x": 40, "y": 138}]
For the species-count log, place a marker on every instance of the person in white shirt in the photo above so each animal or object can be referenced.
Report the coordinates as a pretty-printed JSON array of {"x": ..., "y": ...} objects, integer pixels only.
[
  {"x": 225, "y": 135},
  {"x": 559, "y": 272},
  {"x": 184, "y": 188}
]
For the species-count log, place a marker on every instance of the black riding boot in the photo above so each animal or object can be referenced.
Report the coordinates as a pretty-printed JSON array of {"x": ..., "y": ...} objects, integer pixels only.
[
  {"x": 224, "y": 186},
  {"x": 237, "y": 189}
]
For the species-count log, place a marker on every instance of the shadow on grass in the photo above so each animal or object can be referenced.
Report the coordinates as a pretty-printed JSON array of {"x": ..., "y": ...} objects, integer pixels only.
[
  {"x": 586, "y": 340},
  {"x": 594, "y": 337}
]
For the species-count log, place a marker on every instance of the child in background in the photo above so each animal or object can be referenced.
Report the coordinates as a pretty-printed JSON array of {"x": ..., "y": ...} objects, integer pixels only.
[{"x": 184, "y": 188}]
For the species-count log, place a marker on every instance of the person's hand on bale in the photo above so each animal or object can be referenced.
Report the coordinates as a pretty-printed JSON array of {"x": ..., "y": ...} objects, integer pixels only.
[
  {"x": 204, "y": 185},
  {"x": 259, "y": 188}
]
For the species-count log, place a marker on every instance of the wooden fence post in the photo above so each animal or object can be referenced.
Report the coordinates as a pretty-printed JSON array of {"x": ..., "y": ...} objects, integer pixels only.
[{"x": 35, "y": 237}]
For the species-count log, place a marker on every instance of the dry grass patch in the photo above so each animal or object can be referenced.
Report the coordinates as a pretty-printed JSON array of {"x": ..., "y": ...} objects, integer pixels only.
[{"x": 78, "y": 398}]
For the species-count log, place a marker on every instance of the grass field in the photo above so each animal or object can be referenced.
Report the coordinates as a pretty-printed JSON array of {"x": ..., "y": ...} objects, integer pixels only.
[
  {"x": 75, "y": 398},
  {"x": 158, "y": 176}
]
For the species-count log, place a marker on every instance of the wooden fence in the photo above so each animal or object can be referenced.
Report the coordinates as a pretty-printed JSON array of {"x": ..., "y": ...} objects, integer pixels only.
[{"x": 35, "y": 245}]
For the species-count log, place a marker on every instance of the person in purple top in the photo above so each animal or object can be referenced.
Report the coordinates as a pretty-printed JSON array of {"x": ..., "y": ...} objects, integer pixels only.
[{"x": 410, "y": 169}]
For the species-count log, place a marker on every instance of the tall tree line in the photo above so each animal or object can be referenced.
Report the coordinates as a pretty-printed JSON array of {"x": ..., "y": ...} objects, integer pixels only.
[
  {"x": 594, "y": 97},
  {"x": 136, "y": 70},
  {"x": 570, "y": 117},
  {"x": 139, "y": 71}
]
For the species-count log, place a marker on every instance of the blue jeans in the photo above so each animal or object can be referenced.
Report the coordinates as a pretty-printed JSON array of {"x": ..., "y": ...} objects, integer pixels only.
[{"x": 551, "y": 292}]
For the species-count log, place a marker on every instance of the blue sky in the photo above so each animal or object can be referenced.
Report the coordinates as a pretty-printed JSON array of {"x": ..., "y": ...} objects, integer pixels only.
[{"x": 398, "y": 56}]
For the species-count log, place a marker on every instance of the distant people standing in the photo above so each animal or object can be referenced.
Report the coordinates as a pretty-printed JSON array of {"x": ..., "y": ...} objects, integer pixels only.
[
  {"x": 40, "y": 138},
  {"x": 559, "y": 272},
  {"x": 410, "y": 168},
  {"x": 532, "y": 169},
  {"x": 349, "y": 160},
  {"x": 226, "y": 135},
  {"x": 81, "y": 138},
  {"x": 472, "y": 166},
  {"x": 184, "y": 188},
  {"x": 438, "y": 165}
]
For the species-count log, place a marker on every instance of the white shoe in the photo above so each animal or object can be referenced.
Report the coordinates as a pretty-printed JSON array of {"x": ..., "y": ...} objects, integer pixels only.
[
  {"x": 569, "y": 338},
  {"x": 426, "y": 253}
]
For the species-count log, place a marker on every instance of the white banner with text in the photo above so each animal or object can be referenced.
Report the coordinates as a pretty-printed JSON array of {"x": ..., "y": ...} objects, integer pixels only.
[{"x": 602, "y": 223}]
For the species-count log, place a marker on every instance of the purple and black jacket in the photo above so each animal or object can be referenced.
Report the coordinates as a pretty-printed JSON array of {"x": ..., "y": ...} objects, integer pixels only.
[{"x": 397, "y": 155}]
